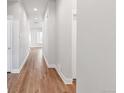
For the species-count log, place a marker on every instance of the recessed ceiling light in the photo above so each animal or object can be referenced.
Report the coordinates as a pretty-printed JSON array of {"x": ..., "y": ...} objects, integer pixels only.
[
  {"x": 35, "y": 18},
  {"x": 35, "y": 9}
]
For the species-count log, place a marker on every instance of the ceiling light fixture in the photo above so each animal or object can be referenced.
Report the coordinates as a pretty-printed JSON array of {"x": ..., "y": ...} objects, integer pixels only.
[
  {"x": 35, "y": 9},
  {"x": 36, "y": 18}
]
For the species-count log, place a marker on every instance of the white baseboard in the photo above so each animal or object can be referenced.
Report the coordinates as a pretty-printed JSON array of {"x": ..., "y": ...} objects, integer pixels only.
[
  {"x": 52, "y": 66},
  {"x": 65, "y": 80},
  {"x": 21, "y": 66},
  {"x": 46, "y": 60},
  {"x": 15, "y": 71},
  {"x": 36, "y": 45}
]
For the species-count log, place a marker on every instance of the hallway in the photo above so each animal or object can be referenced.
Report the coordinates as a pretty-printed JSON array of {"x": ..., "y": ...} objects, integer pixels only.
[{"x": 36, "y": 77}]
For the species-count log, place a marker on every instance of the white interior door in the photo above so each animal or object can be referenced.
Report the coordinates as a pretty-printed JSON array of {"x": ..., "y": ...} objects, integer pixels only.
[{"x": 9, "y": 45}]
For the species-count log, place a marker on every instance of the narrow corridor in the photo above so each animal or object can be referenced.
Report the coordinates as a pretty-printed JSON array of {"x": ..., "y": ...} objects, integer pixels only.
[{"x": 36, "y": 77}]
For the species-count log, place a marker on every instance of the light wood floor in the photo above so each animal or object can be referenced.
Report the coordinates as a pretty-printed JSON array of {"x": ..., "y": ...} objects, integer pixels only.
[{"x": 36, "y": 77}]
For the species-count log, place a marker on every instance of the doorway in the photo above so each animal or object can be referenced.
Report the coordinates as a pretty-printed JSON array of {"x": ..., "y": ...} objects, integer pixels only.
[{"x": 36, "y": 38}]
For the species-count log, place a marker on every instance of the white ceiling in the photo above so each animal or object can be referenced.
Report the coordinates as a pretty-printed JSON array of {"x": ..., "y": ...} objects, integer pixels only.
[
  {"x": 29, "y": 6},
  {"x": 35, "y": 17}
]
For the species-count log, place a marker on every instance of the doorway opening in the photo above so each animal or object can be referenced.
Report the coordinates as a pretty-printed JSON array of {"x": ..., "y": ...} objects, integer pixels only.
[
  {"x": 36, "y": 38},
  {"x": 43, "y": 46}
]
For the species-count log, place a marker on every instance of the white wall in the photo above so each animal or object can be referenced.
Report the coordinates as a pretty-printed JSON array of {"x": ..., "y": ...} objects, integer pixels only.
[
  {"x": 49, "y": 33},
  {"x": 24, "y": 36},
  {"x": 64, "y": 36},
  {"x": 96, "y": 46},
  {"x": 35, "y": 23},
  {"x": 20, "y": 32},
  {"x": 57, "y": 37}
]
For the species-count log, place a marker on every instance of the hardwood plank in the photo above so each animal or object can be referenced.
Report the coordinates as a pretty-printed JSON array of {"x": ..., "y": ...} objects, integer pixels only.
[{"x": 36, "y": 77}]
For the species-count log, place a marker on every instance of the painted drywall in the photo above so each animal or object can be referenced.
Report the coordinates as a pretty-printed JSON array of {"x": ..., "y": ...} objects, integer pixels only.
[
  {"x": 35, "y": 23},
  {"x": 20, "y": 33},
  {"x": 23, "y": 36},
  {"x": 49, "y": 33},
  {"x": 96, "y": 46},
  {"x": 64, "y": 36}
]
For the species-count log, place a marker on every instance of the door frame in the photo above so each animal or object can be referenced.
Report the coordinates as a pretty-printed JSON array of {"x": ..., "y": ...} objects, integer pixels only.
[
  {"x": 74, "y": 42},
  {"x": 10, "y": 18}
]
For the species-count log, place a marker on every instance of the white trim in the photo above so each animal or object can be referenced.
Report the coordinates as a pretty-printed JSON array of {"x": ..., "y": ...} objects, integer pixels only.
[
  {"x": 74, "y": 41},
  {"x": 21, "y": 66},
  {"x": 36, "y": 45},
  {"x": 52, "y": 66},
  {"x": 49, "y": 65},
  {"x": 46, "y": 60},
  {"x": 10, "y": 19},
  {"x": 65, "y": 79},
  {"x": 15, "y": 71}
]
